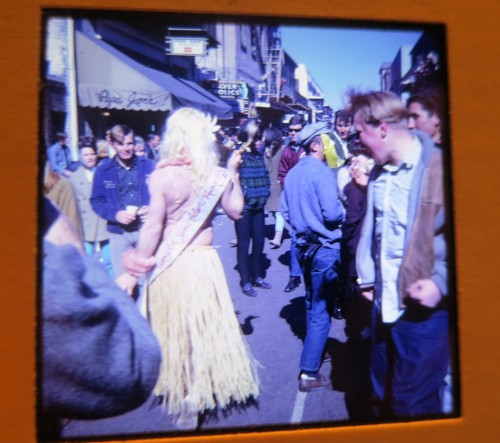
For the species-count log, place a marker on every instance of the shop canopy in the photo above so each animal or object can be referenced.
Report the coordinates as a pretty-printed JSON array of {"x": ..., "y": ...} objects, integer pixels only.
[{"x": 109, "y": 79}]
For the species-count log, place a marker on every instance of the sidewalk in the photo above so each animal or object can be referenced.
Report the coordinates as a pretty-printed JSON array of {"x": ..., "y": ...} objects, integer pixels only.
[{"x": 273, "y": 324}]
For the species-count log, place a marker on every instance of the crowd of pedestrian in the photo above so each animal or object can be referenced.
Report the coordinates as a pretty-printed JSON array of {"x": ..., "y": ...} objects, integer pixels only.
[{"x": 362, "y": 199}]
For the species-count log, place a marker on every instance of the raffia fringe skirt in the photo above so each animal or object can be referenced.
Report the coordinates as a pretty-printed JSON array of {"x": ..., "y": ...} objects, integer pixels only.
[{"x": 206, "y": 361}]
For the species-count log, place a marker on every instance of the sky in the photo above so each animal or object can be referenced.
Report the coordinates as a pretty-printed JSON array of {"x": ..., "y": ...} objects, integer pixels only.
[{"x": 343, "y": 58}]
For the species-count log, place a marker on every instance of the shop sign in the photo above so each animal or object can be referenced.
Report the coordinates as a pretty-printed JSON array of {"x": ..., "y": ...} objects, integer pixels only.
[
  {"x": 229, "y": 90},
  {"x": 187, "y": 46},
  {"x": 109, "y": 98}
]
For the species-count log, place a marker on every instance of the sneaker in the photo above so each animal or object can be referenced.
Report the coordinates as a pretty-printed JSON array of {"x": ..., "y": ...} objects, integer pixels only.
[
  {"x": 308, "y": 383},
  {"x": 261, "y": 283},
  {"x": 248, "y": 290},
  {"x": 292, "y": 284},
  {"x": 233, "y": 243}
]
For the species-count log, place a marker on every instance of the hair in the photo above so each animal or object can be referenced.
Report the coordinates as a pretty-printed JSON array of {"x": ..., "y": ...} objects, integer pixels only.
[
  {"x": 315, "y": 139},
  {"x": 230, "y": 132},
  {"x": 220, "y": 137},
  {"x": 87, "y": 141},
  {"x": 189, "y": 135},
  {"x": 102, "y": 148},
  {"x": 377, "y": 107},
  {"x": 273, "y": 138},
  {"x": 152, "y": 136},
  {"x": 431, "y": 99},
  {"x": 296, "y": 120},
  {"x": 118, "y": 133},
  {"x": 60, "y": 136},
  {"x": 243, "y": 130},
  {"x": 138, "y": 140},
  {"x": 343, "y": 115},
  {"x": 355, "y": 147}
]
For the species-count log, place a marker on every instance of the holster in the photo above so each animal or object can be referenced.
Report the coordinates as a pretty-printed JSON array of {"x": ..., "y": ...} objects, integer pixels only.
[{"x": 307, "y": 252}]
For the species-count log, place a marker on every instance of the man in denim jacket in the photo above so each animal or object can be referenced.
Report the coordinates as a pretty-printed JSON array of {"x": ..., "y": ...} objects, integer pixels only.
[
  {"x": 120, "y": 194},
  {"x": 402, "y": 259},
  {"x": 311, "y": 205}
]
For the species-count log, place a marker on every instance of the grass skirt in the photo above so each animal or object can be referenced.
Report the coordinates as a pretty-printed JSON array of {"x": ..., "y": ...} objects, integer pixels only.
[{"x": 206, "y": 362}]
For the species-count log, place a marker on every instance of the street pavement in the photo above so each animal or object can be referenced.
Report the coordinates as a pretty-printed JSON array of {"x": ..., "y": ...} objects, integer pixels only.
[{"x": 274, "y": 326}]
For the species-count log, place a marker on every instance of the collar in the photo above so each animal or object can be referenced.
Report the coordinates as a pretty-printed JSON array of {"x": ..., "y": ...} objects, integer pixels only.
[
  {"x": 133, "y": 164},
  {"x": 89, "y": 173},
  {"x": 411, "y": 159}
]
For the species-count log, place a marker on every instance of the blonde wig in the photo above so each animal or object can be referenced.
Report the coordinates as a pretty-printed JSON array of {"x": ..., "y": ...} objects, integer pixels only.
[{"x": 189, "y": 136}]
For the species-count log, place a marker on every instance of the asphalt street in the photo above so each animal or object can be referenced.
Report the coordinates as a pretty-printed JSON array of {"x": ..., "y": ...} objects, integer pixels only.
[{"x": 274, "y": 326}]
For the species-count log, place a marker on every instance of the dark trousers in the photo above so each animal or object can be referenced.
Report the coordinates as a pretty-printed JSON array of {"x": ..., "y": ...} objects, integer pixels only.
[
  {"x": 409, "y": 361},
  {"x": 250, "y": 226}
]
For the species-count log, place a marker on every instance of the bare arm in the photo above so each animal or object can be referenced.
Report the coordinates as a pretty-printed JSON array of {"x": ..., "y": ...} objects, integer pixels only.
[
  {"x": 135, "y": 261},
  {"x": 152, "y": 229},
  {"x": 232, "y": 200}
]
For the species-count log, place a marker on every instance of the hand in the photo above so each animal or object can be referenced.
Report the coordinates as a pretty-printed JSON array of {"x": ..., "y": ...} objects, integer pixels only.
[
  {"x": 425, "y": 292},
  {"x": 124, "y": 217},
  {"x": 136, "y": 265},
  {"x": 359, "y": 169},
  {"x": 368, "y": 294},
  {"x": 127, "y": 282},
  {"x": 234, "y": 161},
  {"x": 143, "y": 213},
  {"x": 68, "y": 173}
]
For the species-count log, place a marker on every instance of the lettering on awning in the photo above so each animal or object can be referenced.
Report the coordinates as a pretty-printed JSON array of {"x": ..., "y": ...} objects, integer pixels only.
[{"x": 130, "y": 100}]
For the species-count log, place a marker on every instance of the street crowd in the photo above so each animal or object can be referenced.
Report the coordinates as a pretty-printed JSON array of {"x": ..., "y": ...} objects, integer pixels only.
[{"x": 362, "y": 198}]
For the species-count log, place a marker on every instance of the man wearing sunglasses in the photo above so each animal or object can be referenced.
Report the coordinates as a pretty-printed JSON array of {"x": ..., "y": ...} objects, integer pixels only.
[{"x": 292, "y": 153}]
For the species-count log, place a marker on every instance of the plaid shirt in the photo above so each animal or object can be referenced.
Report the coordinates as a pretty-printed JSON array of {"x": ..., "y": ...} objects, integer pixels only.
[{"x": 254, "y": 180}]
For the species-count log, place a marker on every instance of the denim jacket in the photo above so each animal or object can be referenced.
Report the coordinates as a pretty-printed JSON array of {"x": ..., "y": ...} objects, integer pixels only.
[
  {"x": 425, "y": 250},
  {"x": 105, "y": 198}
]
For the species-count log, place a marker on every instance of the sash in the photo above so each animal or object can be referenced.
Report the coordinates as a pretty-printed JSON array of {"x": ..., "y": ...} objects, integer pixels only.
[{"x": 185, "y": 229}]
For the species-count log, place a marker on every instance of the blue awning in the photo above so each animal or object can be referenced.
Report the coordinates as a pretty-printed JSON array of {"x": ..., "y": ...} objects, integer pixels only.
[{"x": 108, "y": 79}]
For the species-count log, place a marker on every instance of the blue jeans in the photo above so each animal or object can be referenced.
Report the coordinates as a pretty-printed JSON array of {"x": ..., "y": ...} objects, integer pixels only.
[
  {"x": 90, "y": 249},
  {"x": 321, "y": 282},
  {"x": 409, "y": 362},
  {"x": 295, "y": 270},
  {"x": 119, "y": 243}
]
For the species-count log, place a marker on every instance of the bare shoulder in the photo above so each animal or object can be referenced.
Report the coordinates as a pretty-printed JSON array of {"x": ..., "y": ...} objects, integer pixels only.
[{"x": 166, "y": 175}]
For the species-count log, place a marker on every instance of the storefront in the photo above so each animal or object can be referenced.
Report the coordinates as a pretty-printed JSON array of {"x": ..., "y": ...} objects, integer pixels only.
[
  {"x": 272, "y": 113},
  {"x": 113, "y": 88}
]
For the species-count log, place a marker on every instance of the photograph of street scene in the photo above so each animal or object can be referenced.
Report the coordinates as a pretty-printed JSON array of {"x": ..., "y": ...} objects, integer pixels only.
[{"x": 246, "y": 224}]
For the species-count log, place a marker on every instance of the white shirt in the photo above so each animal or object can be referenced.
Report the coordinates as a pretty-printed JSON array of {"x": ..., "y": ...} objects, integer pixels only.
[{"x": 89, "y": 173}]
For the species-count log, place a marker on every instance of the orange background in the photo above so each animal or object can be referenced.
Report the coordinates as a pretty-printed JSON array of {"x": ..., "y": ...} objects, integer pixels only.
[{"x": 473, "y": 52}]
